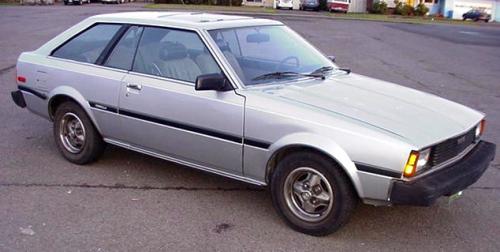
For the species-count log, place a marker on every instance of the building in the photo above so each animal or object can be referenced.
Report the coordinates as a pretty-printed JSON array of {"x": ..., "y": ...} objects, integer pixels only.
[
  {"x": 354, "y": 5},
  {"x": 454, "y": 8}
]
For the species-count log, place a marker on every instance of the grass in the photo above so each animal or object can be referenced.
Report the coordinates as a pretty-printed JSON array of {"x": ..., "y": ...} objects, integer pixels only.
[{"x": 399, "y": 18}]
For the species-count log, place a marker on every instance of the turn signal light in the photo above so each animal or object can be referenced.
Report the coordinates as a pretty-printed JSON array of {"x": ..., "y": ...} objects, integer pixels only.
[
  {"x": 482, "y": 126},
  {"x": 411, "y": 164}
]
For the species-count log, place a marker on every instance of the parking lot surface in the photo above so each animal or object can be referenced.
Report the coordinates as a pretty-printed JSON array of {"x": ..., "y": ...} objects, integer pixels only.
[{"x": 128, "y": 201}]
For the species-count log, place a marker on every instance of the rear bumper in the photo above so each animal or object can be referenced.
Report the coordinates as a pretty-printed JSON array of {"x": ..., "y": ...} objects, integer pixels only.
[
  {"x": 18, "y": 98},
  {"x": 449, "y": 180}
]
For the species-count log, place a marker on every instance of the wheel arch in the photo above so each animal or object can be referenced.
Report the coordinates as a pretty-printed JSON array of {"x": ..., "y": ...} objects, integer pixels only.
[
  {"x": 65, "y": 93},
  {"x": 319, "y": 144}
]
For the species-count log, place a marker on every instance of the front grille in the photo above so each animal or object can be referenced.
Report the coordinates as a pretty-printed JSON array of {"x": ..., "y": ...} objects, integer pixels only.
[{"x": 451, "y": 147}]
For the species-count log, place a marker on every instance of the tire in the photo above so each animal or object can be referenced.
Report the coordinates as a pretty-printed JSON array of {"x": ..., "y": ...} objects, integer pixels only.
[
  {"x": 70, "y": 145},
  {"x": 333, "y": 181}
]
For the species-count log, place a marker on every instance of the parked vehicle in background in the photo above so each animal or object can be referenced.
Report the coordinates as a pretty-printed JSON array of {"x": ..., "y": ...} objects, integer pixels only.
[
  {"x": 252, "y": 100},
  {"x": 476, "y": 15},
  {"x": 338, "y": 5},
  {"x": 78, "y": 2},
  {"x": 113, "y": 1},
  {"x": 309, "y": 5},
  {"x": 284, "y": 4}
]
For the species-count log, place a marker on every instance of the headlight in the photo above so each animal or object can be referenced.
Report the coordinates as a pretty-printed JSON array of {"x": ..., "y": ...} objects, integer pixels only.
[
  {"x": 480, "y": 129},
  {"x": 416, "y": 161},
  {"x": 423, "y": 158}
]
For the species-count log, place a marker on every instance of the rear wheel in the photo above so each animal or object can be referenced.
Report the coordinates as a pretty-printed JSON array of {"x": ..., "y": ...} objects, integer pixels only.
[
  {"x": 75, "y": 135},
  {"x": 312, "y": 193}
]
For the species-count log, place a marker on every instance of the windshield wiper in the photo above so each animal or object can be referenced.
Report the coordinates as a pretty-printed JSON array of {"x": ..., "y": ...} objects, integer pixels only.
[
  {"x": 279, "y": 75},
  {"x": 325, "y": 69},
  {"x": 322, "y": 70}
]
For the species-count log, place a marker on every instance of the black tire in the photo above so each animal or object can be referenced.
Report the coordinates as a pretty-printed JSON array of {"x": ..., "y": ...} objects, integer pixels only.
[
  {"x": 93, "y": 145},
  {"x": 344, "y": 196}
]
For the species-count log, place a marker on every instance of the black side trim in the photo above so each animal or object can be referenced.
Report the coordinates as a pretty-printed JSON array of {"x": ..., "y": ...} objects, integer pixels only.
[
  {"x": 232, "y": 138},
  {"x": 103, "y": 107},
  {"x": 256, "y": 143},
  {"x": 376, "y": 170},
  {"x": 228, "y": 137},
  {"x": 33, "y": 92}
]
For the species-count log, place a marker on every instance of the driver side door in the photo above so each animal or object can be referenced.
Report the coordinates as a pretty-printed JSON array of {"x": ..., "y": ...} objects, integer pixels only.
[{"x": 162, "y": 113}]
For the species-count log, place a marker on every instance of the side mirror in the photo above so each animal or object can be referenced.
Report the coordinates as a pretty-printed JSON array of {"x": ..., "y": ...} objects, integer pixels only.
[
  {"x": 216, "y": 82},
  {"x": 332, "y": 58}
]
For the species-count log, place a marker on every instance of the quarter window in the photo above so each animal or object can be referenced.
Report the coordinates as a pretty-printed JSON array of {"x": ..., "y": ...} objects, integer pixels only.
[
  {"x": 87, "y": 46},
  {"x": 122, "y": 56},
  {"x": 173, "y": 54}
]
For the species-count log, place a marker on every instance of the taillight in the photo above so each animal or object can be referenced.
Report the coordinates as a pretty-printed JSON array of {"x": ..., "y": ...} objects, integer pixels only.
[{"x": 21, "y": 79}]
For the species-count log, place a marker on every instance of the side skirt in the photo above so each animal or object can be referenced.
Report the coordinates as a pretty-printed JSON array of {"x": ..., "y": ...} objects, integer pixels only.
[{"x": 185, "y": 163}]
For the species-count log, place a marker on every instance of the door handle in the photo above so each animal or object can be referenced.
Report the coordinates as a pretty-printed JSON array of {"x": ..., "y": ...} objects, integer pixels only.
[{"x": 134, "y": 86}]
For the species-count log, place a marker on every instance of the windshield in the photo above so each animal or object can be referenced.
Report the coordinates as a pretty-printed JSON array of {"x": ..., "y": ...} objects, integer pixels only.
[{"x": 260, "y": 54}]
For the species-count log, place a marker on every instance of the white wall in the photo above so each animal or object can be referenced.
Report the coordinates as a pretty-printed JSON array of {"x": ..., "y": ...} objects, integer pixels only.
[{"x": 357, "y": 6}]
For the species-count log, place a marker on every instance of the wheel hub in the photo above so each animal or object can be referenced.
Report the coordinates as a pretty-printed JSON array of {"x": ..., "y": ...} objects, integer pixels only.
[{"x": 308, "y": 194}]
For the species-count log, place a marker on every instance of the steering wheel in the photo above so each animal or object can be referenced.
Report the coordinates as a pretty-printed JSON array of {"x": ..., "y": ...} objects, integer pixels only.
[{"x": 283, "y": 61}]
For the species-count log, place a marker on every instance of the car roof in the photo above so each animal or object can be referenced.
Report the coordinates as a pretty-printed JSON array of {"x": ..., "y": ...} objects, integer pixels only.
[{"x": 195, "y": 20}]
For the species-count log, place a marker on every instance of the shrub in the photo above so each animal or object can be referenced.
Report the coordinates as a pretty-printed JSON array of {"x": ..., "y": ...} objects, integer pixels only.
[
  {"x": 379, "y": 7},
  {"x": 398, "y": 8},
  {"x": 407, "y": 10},
  {"x": 421, "y": 9}
]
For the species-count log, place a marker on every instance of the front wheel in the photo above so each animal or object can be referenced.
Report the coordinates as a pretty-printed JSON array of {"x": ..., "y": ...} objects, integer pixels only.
[
  {"x": 312, "y": 193},
  {"x": 75, "y": 135}
]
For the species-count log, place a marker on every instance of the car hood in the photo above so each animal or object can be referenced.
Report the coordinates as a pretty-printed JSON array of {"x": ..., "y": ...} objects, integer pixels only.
[{"x": 421, "y": 118}]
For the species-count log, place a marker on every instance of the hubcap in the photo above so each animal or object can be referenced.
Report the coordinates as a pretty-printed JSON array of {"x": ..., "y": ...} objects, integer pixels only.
[
  {"x": 72, "y": 133},
  {"x": 308, "y": 194}
]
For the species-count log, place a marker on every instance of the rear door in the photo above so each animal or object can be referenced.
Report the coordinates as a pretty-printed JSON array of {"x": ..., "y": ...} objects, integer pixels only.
[{"x": 162, "y": 112}]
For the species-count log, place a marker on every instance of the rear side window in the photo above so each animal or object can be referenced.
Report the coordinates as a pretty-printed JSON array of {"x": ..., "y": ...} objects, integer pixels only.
[
  {"x": 123, "y": 53},
  {"x": 87, "y": 46}
]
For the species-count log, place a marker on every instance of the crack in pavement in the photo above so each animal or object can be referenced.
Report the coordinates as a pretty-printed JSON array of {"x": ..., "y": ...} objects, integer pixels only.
[
  {"x": 484, "y": 187},
  {"x": 125, "y": 187},
  {"x": 6, "y": 69}
]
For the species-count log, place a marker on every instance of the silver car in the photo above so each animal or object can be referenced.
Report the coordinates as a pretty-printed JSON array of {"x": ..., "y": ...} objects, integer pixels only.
[{"x": 251, "y": 100}]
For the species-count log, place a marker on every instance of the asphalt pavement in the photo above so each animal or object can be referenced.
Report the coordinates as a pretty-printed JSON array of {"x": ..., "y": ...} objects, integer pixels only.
[{"x": 132, "y": 202}]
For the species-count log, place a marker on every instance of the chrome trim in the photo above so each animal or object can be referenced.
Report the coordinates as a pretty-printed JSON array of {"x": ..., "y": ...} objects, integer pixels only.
[{"x": 186, "y": 163}]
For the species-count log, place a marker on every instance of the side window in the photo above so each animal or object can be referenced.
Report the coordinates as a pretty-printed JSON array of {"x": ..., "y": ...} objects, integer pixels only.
[
  {"x": 122, "y": 55},
  {"x": 87, "y": 46},
  {"x": 173, "y": 54}
]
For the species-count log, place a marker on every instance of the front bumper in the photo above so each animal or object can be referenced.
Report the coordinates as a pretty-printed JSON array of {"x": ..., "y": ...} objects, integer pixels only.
[
  {"x": 446, "y": 181},
  {"x": 18, "y": 98}
]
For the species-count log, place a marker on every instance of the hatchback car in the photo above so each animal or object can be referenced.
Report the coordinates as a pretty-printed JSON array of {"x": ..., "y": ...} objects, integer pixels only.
[{"x": 251, "y": 100}]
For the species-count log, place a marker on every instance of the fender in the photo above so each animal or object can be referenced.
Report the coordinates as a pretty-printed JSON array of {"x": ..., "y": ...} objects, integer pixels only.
[
  {"x": 78, "y": 97},
  {"x": 323, "y": 144}
]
